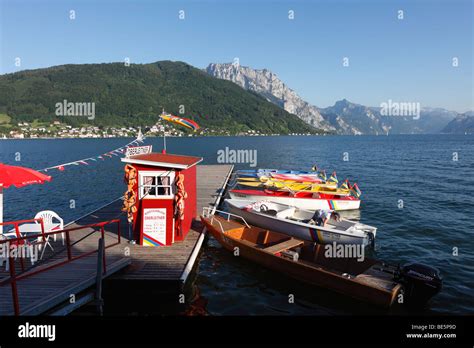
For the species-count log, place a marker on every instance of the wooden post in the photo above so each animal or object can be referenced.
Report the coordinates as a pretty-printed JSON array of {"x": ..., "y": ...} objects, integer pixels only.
[
  {"x": 16, "y": 303},
  {"x": 98, "y": 282},
  {"x": 102, "y": 233},
  {"x": 68, "y": 243}
]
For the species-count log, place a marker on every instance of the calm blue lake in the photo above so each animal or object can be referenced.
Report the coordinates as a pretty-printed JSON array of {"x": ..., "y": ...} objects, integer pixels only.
[{"x": 430, "y": 174}]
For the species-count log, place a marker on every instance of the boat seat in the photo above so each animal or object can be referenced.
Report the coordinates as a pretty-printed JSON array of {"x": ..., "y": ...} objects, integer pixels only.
[
  {"x": 270, "y": 212},
  {"x": 285, "y": 245},
  {"x": 377, "y": 278},
  {"x": 287, "y": 212},
  {"x": 341, "y": 225}
]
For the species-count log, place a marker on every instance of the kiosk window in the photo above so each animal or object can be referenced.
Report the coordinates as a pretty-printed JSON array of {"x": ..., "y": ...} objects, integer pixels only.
[{"x": 157, "y": 185}]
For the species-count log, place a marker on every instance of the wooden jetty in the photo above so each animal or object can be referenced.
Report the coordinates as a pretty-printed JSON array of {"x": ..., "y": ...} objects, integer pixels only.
[
  {"x": 126, "y": 263},
  {"x": 62, "y": 275}
]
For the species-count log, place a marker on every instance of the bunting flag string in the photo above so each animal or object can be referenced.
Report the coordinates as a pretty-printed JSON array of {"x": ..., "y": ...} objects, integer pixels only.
[{"x": 85, "y": 161}]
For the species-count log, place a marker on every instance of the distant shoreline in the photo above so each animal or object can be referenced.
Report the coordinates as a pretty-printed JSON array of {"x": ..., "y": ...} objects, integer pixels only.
[{"x": 246, "y": 136}]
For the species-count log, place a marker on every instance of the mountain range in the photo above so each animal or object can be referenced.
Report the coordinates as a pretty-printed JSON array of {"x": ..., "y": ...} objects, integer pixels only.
[
  {"x": 135, "y": 96},
  {"x": 227, "y": 97},
  {"x": 344, "y": 117}
]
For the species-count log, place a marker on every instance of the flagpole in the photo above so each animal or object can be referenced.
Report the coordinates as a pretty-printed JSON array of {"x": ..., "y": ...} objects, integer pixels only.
[
  {"x": 164, "y": 134},
  {"x": 140, "y": 134}
]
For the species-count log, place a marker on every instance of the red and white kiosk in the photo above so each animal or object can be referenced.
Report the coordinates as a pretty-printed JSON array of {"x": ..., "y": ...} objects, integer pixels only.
[{"x": 162, "y": 188}]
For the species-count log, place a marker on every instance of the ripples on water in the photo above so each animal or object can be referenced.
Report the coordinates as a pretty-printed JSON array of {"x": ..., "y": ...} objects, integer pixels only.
[{"x": 437, "y": 195}]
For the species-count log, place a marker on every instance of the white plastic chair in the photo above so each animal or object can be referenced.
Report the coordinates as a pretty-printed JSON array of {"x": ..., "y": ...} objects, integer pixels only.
[{"x": 49, "y": 224}]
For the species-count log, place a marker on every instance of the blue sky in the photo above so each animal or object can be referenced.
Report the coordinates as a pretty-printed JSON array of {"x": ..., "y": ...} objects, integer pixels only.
[{"x": 401, "y": 60}]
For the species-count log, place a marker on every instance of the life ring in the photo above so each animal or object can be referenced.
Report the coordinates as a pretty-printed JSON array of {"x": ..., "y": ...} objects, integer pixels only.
[
  {"x": 180, "y": 196},
  {"x": 130, "y": 196}
]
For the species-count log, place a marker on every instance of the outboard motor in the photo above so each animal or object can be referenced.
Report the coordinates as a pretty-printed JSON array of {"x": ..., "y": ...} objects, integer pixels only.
[
  {"x": 420, "y": 283},
  {"x": 371, "y": 238}
]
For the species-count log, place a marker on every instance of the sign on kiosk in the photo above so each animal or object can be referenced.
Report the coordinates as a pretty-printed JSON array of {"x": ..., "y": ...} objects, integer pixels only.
[
  {"x": 154, "y": 227},
  {"x": 138, "y": 150}
]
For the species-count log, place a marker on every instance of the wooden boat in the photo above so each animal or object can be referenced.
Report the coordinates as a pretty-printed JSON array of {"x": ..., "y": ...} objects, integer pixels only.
[
  {"x": 275, "y": 182},
  {"x": 302, "y": 200},
  {"x": 295, "y": 223},
  {"x": 296, "y": 187},
  {"x": 369, "y": 280}
]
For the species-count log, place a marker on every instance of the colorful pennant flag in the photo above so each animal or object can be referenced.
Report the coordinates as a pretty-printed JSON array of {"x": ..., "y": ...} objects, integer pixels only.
[
  {"x": 322, "y": 175},
  {"x": 345, "y": 185},
  {"x": 333, "y": 177},
  {"x": 356, "y": 190}
]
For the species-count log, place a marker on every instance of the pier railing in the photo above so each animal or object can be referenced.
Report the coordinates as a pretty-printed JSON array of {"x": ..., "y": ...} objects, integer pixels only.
[
  {"x": 22, "y": 240},
  {"x": 16, "y": 227}
]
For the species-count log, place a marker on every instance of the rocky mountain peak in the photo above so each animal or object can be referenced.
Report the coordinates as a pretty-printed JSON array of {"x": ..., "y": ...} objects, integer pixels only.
[
  {"x": 268, "y": 85},
  {"x": 462, "y": 124}
]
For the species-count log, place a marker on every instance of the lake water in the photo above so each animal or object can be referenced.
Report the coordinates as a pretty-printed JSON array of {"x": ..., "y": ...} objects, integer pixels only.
[{"x": 431, "y": 175}]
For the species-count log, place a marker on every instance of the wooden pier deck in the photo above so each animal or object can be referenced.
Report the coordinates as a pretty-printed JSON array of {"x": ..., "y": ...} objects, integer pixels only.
[
  {"x": 43, "y": 291},
  {"x": 40, "y": 292}
]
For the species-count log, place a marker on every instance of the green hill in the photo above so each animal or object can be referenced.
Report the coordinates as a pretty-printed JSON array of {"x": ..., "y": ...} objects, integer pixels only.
[{"x": 135, "y": 96}]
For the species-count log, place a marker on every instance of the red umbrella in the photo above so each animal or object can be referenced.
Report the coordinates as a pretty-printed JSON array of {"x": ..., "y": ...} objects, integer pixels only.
[{"x": 18, "y": 177}]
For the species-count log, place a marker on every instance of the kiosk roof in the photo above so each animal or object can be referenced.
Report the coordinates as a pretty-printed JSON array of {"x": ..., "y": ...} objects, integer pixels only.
[{"x": 163, "y": 160}]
